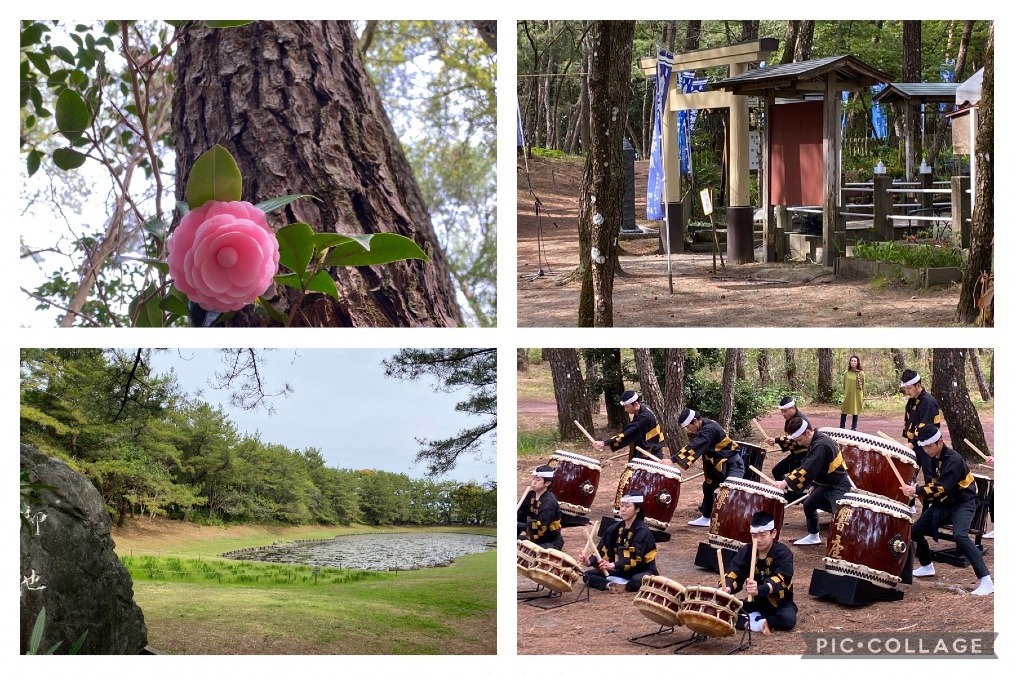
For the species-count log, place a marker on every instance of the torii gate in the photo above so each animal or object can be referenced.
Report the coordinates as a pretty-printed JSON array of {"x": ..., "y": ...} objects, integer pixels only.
[{"x": 737, "y": 57}]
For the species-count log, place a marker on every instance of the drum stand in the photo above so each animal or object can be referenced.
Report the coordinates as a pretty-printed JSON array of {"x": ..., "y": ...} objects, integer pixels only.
[
  {"x": 745, "y": 642},
  {"x": 850, "y": 591},
  {"x": 584, "y": 592},
  {"x": 707, "y": 557},
  {"x": 662, "y": 630}
]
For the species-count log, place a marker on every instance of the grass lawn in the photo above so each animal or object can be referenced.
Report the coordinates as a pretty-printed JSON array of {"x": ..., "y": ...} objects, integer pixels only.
[{"x": 445, "y": 610}]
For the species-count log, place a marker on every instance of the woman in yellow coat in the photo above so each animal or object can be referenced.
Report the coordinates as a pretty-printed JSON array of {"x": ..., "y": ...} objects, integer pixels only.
[{"x": 852, "y": 404}]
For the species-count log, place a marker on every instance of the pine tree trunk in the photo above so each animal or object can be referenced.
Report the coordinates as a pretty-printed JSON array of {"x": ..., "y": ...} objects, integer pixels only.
[
  {"x": 740, "y": 364},
  {"x": 789, "y": 44},
  {"x": 825, "y": 365},
  {"x": 804, "y": 41},
  {"x": 612, "y": 388},
  {"x": 569, "y": 389},
  {"x": 790, "y": 370},
  {"x": 984, "y": 388},
  {"x": 763, "y": 368},
  {"x": 601, "y": 203},
  {"x": 951, "y": 393},
  {"x": 728, "y": 387},
  {"x": 898, "y": 357},
  {"x": 524, "y": 362},
  {"x": 980, "y": 251},
  {"x": 650, "y": 389},
  {"x": 294, "y": 105},
  {"x": 675, "y": 360}
]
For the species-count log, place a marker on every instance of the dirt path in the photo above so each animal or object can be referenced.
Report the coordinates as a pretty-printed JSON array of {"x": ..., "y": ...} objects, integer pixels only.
[
  {"x": 603, "y": 625},
  {"x": 756, "y": 294}
]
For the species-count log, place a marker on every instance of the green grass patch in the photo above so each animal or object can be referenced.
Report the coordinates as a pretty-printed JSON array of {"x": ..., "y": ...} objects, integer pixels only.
[
  {"x": 552, "y": 153},
  {"x": 537, "y": 441},
  {"x": 909, "y": 255}
]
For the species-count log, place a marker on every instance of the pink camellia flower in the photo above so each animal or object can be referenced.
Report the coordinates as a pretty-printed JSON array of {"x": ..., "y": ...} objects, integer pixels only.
[{"x": 223, "y": 255}]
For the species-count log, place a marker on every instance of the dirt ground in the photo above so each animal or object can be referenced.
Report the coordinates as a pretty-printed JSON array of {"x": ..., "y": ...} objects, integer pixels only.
[
  {"x": 755, "y": 294},
  {"x": 602, "y": 625}
]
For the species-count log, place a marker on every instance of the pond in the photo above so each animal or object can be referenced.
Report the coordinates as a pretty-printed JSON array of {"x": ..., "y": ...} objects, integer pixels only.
[{"x": 372, "y": 551}]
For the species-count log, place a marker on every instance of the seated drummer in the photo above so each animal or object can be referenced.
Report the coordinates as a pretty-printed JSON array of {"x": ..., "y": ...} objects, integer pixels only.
[
  {"x": 822, "y": 473},
  {"x": 722, "y": 458},
  {"x": 921, "y": 410},
  {"x": 787, "y": 406},
  {"x": 643, "y": 431},
  {"x": 539, "y": 513},
  {"x": 949, "y": 497},
  {"x": 626, "y": 553},
  {"x": 772, "y": 607}
]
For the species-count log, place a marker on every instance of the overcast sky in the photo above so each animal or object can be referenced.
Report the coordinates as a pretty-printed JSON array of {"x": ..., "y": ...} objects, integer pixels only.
[{"x": 342, "y": 404}]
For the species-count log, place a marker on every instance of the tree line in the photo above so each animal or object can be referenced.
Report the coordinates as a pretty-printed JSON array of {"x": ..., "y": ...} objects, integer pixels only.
[
  {"x": 734, "y": 385},
  {"x": 151, "y": 450}
]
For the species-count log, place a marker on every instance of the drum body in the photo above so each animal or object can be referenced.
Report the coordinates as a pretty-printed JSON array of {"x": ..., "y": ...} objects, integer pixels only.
[
  {"x": 869, "y": 538},
  {"x": 575, "y": 481},
  {"x": 660, "y": 600},
  {"x": 867, "y": 459},
  {"x": 660, "y": 484},
  {"x": 527, "y": 553},
  {"x": 709, "y": 611},
  {"x": 555, "y": 570},
  {"x": 736, "y": 500},
  {"x": 753, "y": 455},
  {"x": 984, "y": 487}
]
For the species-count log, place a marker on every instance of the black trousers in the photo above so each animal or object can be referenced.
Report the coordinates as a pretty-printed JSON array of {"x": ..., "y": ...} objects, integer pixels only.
[
  {"x": 734, "y": 468},
  {"x": 782, "y": 617},
  {"x": 960, "y": 520},
  {"x": 824, "y": 498},
  {"x": 787, "y": 464},
  {"x": 597, "y": 580}
]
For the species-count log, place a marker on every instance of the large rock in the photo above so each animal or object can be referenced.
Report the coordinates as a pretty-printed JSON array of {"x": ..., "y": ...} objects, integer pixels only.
[{"x": 86, "y": 586}]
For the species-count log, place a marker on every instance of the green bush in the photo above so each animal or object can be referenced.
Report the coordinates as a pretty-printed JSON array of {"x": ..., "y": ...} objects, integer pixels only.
[{"x": 910, "y": 256}]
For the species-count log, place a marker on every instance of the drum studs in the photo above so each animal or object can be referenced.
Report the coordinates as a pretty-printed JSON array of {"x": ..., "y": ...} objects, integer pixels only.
[
  {"x": 664, "y": 498},
  {"x": 898, "y": 545},
  {"x": 587, "y": 487}
]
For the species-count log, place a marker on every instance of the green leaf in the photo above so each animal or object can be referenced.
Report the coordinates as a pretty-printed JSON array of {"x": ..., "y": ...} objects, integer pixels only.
[
  {"x": 177, "y": 23},
  {"x": 111, "y": 28},
  {"x": 78, "y": 643},
  {"x": 39, "y": 61},
  {"x": 383, "y": 248},
  {"x": 290, "y": 280},
  {"x": 35, "y": 641},
  {"x": 278, "y": 202},
  {"x": 270, "y": 310},
  {"x": 323, "y": 240},
  {"x": 72, "y": 114},
  {"x": 160, "y": 265},
  {"x": 144, "y": 309},
  {"x": 182, "y": 207},
  {"x": 64, "y": 54},
  {"x": 174, "y": 305},
  {"x": 323, "y": 283},
  {"x": 33, "y": 161},
  {"x": 68, "y": 159},
  {"x": 155, "y": 226},
  {"x": 32, "y": 34},
  {"x": 295, "y": 246},
  {"x": 226, "y": 24},
  {"x": 214, "y": 176}
]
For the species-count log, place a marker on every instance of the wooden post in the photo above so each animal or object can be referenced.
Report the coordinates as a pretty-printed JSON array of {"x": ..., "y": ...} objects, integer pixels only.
[
  {"x": 739, "y": 146},
  {"x": 782, "y": 225},
  {"x": 883, "y": 227},
  {"x": 772, "y": 237},
  {"x": 961, "y": 209},
  {"x": 832, "y": 170}
]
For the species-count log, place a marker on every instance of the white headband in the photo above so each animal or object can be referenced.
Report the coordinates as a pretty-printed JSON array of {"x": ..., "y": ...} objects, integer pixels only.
[
  {"x": 790, "y": 404},
  {"x": 690, "y": 418},
  {"x": 932, "y": 439},
  {"x": 799, "y": 431},
  {"x": 543, "y": 474},
  {"x": 762, "y": 528},
  {"x": 632, "y": 499},
  {"x": 632, "y": 399},
  {"x": 912, "y": 381}
]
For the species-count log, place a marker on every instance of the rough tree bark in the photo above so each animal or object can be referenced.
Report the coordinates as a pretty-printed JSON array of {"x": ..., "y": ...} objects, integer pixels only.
[
  {"x": 610, "y": 43},
  {"x": 790, "y": 370},
  {"x": 569, "y": 390},
  {"x": 650, "y": 389},
  {"x": 524, "y": 362},
  {"x": 675, "y": 367},
  {"x": 293, "y": 104},
  {"x": 740, "y": 364},
  {"x": 728, "y": 387},
  {"x": 980, "y": 251},
  {"x": 951, "y": 393},
  {"x": 825, "y": 365},
  {"x": 789, "y": 44},
  {"x": 804, "y": 41},
  {"x": 763, "y": 368},
  {"x": 898, "y": 357},
  {"x": 984, "y": 389}
]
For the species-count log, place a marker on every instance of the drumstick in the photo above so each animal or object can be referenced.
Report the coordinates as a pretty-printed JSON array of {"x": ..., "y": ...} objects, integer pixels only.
[
  {"x": 584, "y": 431},
  {"x": 890, "y": 463},
  {"x": 696, "y": 475},
  {"x": 977, "y": 451},
  {"x": 753, "y": 564},
  {"x": 891, "y": 438},
  {"x": 645, "y": 453},
  {"x": 589, "y": 543},
  {"x": 761, "y": 429},
  {"x": 771, "y": 481},
  {"x": 523, "y": 496},
  {"x": 721, "y": 569}
]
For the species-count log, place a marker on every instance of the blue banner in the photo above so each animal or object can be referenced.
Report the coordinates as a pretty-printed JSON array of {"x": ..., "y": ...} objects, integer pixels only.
[
  {"x": 879, "y": 114},
  {"x": 687, "y": 119},
  {"x": 521, "y": 129},
  {"x": 656, "y": 172}
]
